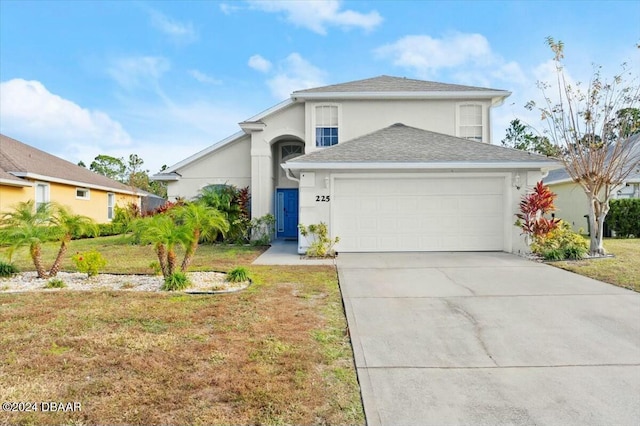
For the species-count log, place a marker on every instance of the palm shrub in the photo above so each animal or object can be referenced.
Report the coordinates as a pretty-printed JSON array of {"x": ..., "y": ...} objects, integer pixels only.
[
  {"x": 161, "y": 231},
  {"x": 202, "y": 222},
  {"x": 67, "y": 225},
  {"x": 28, "y": 226}
]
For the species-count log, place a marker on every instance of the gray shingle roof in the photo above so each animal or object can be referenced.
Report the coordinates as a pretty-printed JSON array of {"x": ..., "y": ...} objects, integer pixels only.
[
  {"x": 403, "y": 144},
  {"x": 385, "y": 83},
  {"x": 19, "y": 158}
]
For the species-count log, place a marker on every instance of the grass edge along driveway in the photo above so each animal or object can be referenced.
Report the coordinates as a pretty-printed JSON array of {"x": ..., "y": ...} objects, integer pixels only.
[{"x": 276, "y": 353}]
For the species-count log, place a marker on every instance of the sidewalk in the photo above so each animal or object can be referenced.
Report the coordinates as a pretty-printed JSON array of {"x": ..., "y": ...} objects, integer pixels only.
[{"x": 286, "y": 253}]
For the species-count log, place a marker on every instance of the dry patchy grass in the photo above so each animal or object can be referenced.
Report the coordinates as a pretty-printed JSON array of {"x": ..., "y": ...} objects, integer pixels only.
[
  {"x": 126, "y": 258},
  {"x": 622, "y": 270},
  {"x": 276, "y": 353}
]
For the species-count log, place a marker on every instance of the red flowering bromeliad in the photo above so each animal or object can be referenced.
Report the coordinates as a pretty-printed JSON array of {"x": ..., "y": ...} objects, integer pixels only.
[{"x": 533, "y": 207}]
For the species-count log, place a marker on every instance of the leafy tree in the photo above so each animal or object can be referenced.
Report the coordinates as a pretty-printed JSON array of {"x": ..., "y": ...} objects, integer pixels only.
[
  {"x": 69, "y": 224},
  {"x": 590, "y": 125},
  {"x": 232, "y": 203},
  {"x": 520, "y": 136},
  {"x": 26, "y": 226},
  {"x": 110, "y": 167}
]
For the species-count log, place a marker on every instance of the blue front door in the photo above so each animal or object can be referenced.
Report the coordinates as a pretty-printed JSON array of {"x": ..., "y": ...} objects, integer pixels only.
[{"x": 287, "y": 213}]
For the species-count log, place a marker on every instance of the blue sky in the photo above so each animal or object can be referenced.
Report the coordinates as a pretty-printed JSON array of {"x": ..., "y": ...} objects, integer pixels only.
[{"x": 166, "y": 79}]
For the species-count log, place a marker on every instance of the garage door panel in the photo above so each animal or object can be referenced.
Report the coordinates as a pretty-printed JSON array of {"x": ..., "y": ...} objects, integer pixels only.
[{"x": 418, "y": 214}]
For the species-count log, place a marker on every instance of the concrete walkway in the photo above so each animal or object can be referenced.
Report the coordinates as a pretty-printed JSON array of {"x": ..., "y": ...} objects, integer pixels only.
[
  {"x": 284, "y": 252},
  {"x": 489, "y": 339}
]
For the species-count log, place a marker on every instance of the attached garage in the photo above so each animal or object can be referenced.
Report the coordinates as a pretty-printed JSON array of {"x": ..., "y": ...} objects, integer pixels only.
[
  {"x": 408, "y": 189},
  {"x": 402, "y": 213}
]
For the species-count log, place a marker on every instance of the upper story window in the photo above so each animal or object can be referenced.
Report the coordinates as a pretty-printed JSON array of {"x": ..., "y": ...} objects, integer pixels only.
[
  {"x": 82, "y": 193},
  {"x": 326, "y": 125},
  {"x": 470, "y": 122}
]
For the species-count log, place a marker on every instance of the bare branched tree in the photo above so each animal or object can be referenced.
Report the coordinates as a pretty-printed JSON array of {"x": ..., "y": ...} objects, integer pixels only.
[{"x": 592, "y": 135}]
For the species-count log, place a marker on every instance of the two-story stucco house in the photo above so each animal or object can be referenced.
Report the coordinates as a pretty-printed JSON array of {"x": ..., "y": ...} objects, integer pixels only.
[
  {"x": 27, "y": 173},
  {"x": 389, "y": 164}
]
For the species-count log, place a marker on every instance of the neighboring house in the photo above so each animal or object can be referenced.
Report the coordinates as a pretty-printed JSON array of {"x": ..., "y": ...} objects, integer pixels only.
[
  {"x": 389, "y": 164},
  {"x": 572, "y": 204},
  {"x": 27, "y": 173}
]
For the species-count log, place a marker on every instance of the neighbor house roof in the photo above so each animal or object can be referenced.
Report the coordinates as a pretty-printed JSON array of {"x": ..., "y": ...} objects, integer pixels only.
[
  {"x": 561, "y": 176},
  {"x": 22, "y": 161},
  {"x": 401, "y": 146},
  {"x": 388, "y": 86}
]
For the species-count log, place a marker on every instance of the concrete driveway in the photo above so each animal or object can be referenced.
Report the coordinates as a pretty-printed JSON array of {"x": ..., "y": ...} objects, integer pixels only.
[{"x": 489, "y": 339}]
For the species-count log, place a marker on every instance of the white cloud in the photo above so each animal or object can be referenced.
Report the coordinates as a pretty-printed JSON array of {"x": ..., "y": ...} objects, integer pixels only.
[
  {"x": 204, "y": 78},
  {"x": 257, "y": 62},
  {"x": 295, "y": 73},
  {"x": 134, "y": 72},
  {"x": 178, "y": 31},
  {"x": 426, "y": 55},
  {"x": 316, "y": 15},
  {"x": 228, "y": 9},
  {"x": 28, "y": 109}
]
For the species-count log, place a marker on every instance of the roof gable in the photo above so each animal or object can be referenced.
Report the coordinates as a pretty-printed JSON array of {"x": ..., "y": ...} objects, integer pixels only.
[
  {"x": 404, "y": 144},
  {"x": 22, "y": 160}
]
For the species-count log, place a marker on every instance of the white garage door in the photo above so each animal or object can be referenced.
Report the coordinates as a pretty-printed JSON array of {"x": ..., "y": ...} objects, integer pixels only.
[{"x": 418, "y": 214}]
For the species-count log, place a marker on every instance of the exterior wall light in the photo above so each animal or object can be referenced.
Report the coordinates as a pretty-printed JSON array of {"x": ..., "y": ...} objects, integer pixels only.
[{"x": 516, "y": 181}]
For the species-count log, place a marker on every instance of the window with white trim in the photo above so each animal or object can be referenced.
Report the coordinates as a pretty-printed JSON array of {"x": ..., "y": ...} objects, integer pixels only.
[
  {"x": 42, "y": 194},
  {"x": 326, "y": 125},
  {"x": 470, "y": 122},
  {"x": 111, "y": 203},
  {"x": 82, "y": 193}
]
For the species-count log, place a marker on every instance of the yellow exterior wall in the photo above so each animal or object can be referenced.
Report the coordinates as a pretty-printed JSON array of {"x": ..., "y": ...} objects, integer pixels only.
[
  {"x": 95, "y": 207},
  {"x": 11, "y": 195}
]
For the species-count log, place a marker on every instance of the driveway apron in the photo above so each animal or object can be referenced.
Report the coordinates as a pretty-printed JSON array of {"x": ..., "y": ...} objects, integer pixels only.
[{"x": 488, "y": 339}]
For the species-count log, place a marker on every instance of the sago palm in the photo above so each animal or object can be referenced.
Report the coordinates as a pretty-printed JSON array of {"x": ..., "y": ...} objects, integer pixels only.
[
  {"x": 67, "y": 224},
  {"x": 28, "y": 226},
  {"x": 202, "y": 222}
]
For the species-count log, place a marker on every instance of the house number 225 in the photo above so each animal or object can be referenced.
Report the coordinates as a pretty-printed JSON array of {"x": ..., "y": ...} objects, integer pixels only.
[{"x": 322, "y": 198}]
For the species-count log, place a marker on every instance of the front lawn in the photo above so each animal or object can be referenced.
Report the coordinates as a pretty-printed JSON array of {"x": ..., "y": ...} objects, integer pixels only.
[
  {"x": 277, "y": 353},
  {"x": 622, "y": 270}
]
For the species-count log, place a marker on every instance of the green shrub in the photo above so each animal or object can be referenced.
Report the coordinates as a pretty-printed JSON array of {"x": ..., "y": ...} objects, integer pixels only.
[
  {"x": 624, "y": 217},
  {"x": 176, "y": 282},
  {"x": 90, "y": 262},
  {"x": 8, "y": 269},
  {"x": 560, "y": 243},
  {"x": 263, "y": 230},
  {"x": 238, "y": 275},
  {"x": 320, "y": 245},
  {"x": 55, "y": 283}
]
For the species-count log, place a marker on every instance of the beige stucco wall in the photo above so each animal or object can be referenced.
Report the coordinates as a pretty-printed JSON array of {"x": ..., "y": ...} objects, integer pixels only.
[
  {"x": 287, "y": 123},
  {"x": 360, "y": 117},
  {"x": 571, "y": 205},
  {"x": 95, "y": 207},
  {"x": 230, "y": 164}
]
